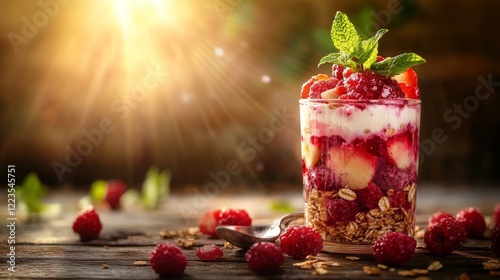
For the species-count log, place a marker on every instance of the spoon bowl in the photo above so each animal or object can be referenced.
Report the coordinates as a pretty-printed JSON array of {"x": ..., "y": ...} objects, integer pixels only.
[{"x": 245, "y": 236}]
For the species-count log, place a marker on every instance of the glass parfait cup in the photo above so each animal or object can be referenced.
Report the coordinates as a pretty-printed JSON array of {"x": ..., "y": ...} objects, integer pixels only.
[{"x": 359, "y": 169}]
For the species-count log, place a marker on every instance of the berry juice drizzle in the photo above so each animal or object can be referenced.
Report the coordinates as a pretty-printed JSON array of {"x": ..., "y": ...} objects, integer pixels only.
[{"x": 359, "y": 172}]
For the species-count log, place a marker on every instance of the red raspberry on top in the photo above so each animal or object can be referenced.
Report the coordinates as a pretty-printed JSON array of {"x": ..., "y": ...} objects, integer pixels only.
[
  {"x": 394, "y": 248},
  {"x": 209, "y": 253},
  {"x": 237, "y": 217},
  {"x": 445, "y": 237},
  {"x": 307, "y": 85},
  {"x": 87, "y": 224},
  {"x": 264, "y": 257},
  {"x": 168, "y": 260},
  {"x": 473, "y": 221},
  {"x": 321, "y": 86},
  {"x": 368, "y": 85},
  {"x": 299, "y": 241},
  {"x": 437, "y": 217}
]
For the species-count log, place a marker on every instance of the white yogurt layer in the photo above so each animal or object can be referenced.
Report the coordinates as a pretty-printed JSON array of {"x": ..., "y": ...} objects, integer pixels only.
[{"x": 352, "y": 122}]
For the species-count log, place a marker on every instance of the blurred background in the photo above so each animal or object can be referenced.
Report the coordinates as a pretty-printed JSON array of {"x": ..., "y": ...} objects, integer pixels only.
[{"x": 106, "y": 89}]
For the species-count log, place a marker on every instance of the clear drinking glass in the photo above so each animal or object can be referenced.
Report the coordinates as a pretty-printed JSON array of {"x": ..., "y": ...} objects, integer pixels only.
[{"x": 359, "y": 169}]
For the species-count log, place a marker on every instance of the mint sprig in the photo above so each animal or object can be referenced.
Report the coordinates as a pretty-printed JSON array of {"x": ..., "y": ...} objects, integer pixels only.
[{"x": 360, "y": 54}]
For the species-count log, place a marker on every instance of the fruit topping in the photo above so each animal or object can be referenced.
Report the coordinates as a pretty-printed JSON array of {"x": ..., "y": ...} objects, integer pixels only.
[
  {"x": 299, "y": 241},
  {"x": 264, "y": 258},
  {"x": 394, "y": 248},
  {"x": 445, "y": 237},
  {"x": 307, "y": 85},
  {"x": 472, "y": 220},
  {"x": 168, "y": 260},
  {"x": 87, "y": 224},
  {"x": 353, "y": 167},
  {"x": 209, "y": 252},
  {"x": 408, "y": 82}
]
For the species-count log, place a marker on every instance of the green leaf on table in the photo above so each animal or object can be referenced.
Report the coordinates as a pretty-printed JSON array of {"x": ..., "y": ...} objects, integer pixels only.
[
  {"x": 31, "y": 193},
  {"x": 281, "y": 206},
  {"x": 155, "y": 187},
  {"x": 98, "y": 191}
]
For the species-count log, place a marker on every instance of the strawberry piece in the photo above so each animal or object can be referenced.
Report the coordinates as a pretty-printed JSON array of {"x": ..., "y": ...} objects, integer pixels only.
[
  {"x": 352, "y": 166},
  {"x": 209, "y": 221},
  {"x": 408, "y": 82},
  {"x": 307, "y": 85},
  {"x": 334, "y": 93},
  {"x": 400, "y": 151}
]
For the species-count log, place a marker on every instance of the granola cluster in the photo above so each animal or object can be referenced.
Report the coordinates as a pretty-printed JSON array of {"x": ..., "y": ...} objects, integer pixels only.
[{"x": 367, "y": 226}]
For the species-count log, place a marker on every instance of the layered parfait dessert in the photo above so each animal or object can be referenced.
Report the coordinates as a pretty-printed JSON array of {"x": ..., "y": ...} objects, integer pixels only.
[{"x": 359, "y": 140}]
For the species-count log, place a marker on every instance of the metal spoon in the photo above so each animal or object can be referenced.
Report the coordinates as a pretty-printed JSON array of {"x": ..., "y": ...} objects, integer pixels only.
[{"x": 244, "y": 236}]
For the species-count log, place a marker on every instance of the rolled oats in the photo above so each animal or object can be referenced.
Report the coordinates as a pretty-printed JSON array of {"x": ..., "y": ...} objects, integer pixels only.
[
  {"x": 491, "y": 264},
  {"x": 464, "y": 276},
  {"x": 420, "y": 271},
  {"x": 372, "y": 270},
  {"x": 435, "y": 266},
  {"x": 406, "y": 273},
  {"x": 347, "y": 194},
  {"x": 383, "y": 204}
]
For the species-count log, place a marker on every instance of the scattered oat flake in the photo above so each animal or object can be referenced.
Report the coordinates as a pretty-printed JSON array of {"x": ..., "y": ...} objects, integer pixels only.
[
  {"x": 406, "y": 273},
  {"x": 435, "y": 266},
  {"x": 491, "y": 264},
  {"x": 419, "y": 234},
  {"x": 186, "y": 243},
  {"x": 392, "y": 269},
  {"x": 141, "y": 263},
  {"x": 106, "y": 247},
  {"x": 420, "y": 271},
  {"x": 168, "y": 233},
  {"x": 423, "y": 278},
  {"x": 382, "y": 266},
  {"x": 495, "y": 272},
  {"x": 228, "y": 245},
  {"x": 352, "y": 258},
  {"x": 371, "y": 270},
  {"x": 464, "y": 276},
  {"x": 105, "y": 266},
  {"x": 320, "y": 271}
]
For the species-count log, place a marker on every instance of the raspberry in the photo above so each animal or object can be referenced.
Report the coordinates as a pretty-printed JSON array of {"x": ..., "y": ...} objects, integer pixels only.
[
  {"x": 168, "y": 260},
  {"x": 399, "y": 200},
  {"x": 445, "y": 236},
  {"x": 337, "y": 71},
  {"x": 116, "y": 189},
  {"x": 394, "y": 248},
  {"x": 238, "y": 217},
  {"x": 472, "y": 220},
  {"x": 437, "y": 217},
  {"x": 495, "y": 240},
  {"x": 307, "y": 85},
  {"x": 321, "y": 178},
  {"x": 368, "y": 85},
  {"x": 209, "y": 253},
  {"x": 264, "y": 257},
  {"x": 369, "y": 197},
  {"x": 209, "y": 221},
  {"x": 320, "y": 86},
  {"x": 341, "y": 210},
  {"x": 299, "y": 241},
  {"x": 496, "y": 216},
  {"x": 87, "y": 225}
]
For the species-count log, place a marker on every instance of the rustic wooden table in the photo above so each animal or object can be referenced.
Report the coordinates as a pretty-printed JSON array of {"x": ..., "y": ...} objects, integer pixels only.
[{"x": 48, "y": 248}]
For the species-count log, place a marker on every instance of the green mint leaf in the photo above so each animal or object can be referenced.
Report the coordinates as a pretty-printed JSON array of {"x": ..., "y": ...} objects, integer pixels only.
[
  {"x": 392, "y": 66},
  {"x": 369, "y": 50},
  {"x": 344, "y": 35},
  {"x": 338, "y": 58}
]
